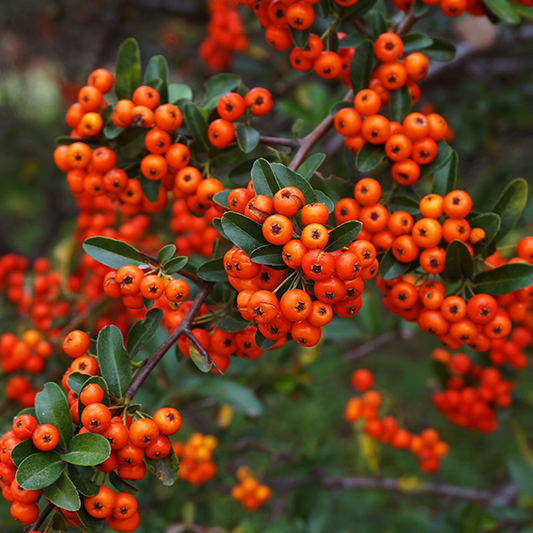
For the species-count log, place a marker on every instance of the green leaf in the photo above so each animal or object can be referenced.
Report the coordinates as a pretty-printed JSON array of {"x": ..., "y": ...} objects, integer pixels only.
[
  {"x": 122, "y": 485},
  {"x": 400, "y": 103},
  {"x": 288, "y": 178},
  {"x": 87, "y": 449},
  {"x": 335, "y": 108},
  {"x": 504, "y": 279},
  {"x": 218, "y": 86},
  {"x": 175, "y": 264},
  {"x": 22, "y": 450},
  {"x": 150, "y": 188},
  {"x": 353, "y": 40},
  {"x": 445, "y": 177},
  {"x": 213, "y": 270},
  {"x": 196, "y": 123},
  {"x": 81, "y": 476},
  {"x": 471, "y": 518},
  {"x": 322, "y": 9},
  {"x": 504, "y": 10},
  {"x": 269, "y": 254},
  {"x": 39, "y": 470},
  {"x": 263, "y": 178},
  {"x": 490, "y": 224},
  {"x": 415, "y": 41},
  {"x": 378, "y": 25},
  {"x": 113, "y": 360},
  {"x": 166, "y": 470},
  {"x": 91, "y": 524},
  {"x": 459, "y": 264},
  {"x": 510, "y": 205},
  {"x": 341, "y": 187},
  {"x": 310, "y": 166},
  {"x": 157, "y": 67},
  {"x": 127, "y": 69},
  {"x": 112, "y": 253},
  {"x": 233, "y": 323},
  {"x": 523, "y": 10},
  {"x": 326, "y": 200},
  {"x": 143, "y": 331},
  {"x": 178, "y": 92},
  {"x": 201, "y": 361},
  {"x": 440, "y": 50},
  {"x": 390, "y": 267},
  {"x": 299, "y": 37},
  {"x": 76, "y": 380},
  {"x": 58, "y": 522},
  {"x": 243, "y": 232},
  {"x": 247, "y": 138},
  {"x": 419, "y": 9},
  {"x": 262, "y": 342},
  {"x": 361, "y": 66},
  {"x": 343, "y": 235},
  {"x": 158, "y": 84},
  {"x": 408, "y": 204},
  {"x": 63, "y": 493},
  {"x": 166, "y": 253},
  {"x": 51, "y": 407},
  {"x": 357, "y": 11},
  {"x": 369, "y": 157},
  {"x": 443, "y": 155},
  {"x": 221, "y": 198}
]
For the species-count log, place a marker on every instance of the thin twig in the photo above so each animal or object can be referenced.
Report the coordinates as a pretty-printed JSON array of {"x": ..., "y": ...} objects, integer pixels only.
[
  {"x": 291, "y": 143},
  {"x": 405, "y": 24},
  {"x": 188, "y": 333},
  {"x": 42, "y": 517},
  {"x": 375, "y": 343},
  {"x": 358, "y": 25}
]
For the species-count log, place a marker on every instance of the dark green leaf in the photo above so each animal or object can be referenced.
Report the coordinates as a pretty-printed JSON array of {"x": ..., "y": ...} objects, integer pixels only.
[
  {"x": 39, "y": 470},
  {"x": 443, "y": 155},
  {"x": 508, "y": 514},
  {"x": 390, "y": 267},
  {"x": 490, "y": 224},
  {"x": 112, "y": 253},
  {"x": 81, "y": 476},
  {"x": 221, "y": 198},
  {"x": 58, "y": 522},
  {"x": 113, "y": 360},
  {"x": 166, "y": 470},
  {"x": 299, "y": 37},
  {"x": 471, "y": 518},
  {"x": 175, "y": 264},
  {"x": 150, "y": 188},
  {"x": 87, "y": 449},
  {"x": 408, "y": 204},
  {"x": 322, "y": 9},
  {"x": 355, "y": 12},
  {"x": 504, "y": 10},
  {"x": 122, "y": 485},
  {"x": 178, "y": 91},
  {"x": 341, "y": 187},
  {"x": 310, "y": 165},
  {"x": 326, "y": 200},
  {"x": 378, "y": 25},
  {"x": 262, "y": 342},
  {"x": 441, "y": 371},
  {"x": 63, "y": 493},
  {"x": 218, "y": 86},
  {"x": 76, "y": 380},
  {"x": 400, "y": 104},
  {"x": 269, "y": 255},
  {"x": 445, "y": 177},
  {"x": 504, "y": 279},
  {"x": 166, "y": 253},
  {"x": 217, "y": 223},
  {"x": 343, "y": 235},
  {"x": 143, "y": 331},
  {"x": 510, "y": 205},
  {"x": 353, "y": 40},
  {"x": 233, "y": 323},
  {"x": 22, "y": 450},
  {"x": 127, "y": 69},
  {"x": 459, "y": 263},
  {"x": 101, "y": 382},
  {"x": 523, "y": 10},
  {"x": 158, "y": 84},
  {"x": 243, "y": 232},
  {"x": 51, "y": 407},
  {"x": 361, "y": 66},
  {"x": 158, "y": 68},
  {"x": 419, "y": 9},
  {"x": 370, "y": 157},
  {"x": 91, "y": 524},
  {"x": 65, "y": 140},
  {"x": 440, "y": 50},
  {"x": 335, "y": 108},
  {"x": 415, "y": 41},
  {"x": 263, "y": 178},
  {"x": 201, "y": 361},
  {"x": 196, "y": 124},
  {"x": 213, "y": 270},
  {"x": 247, "y": 138},
  {"x": 288, "y": 178}
]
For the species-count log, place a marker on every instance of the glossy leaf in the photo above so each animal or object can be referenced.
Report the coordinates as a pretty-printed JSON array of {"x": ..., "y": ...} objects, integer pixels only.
[
  {"x": 196, "y": 124},
  {"x": 443, "y": 155},
  {"x": 89, "y": 523},
  {"x": 157, "y": 67},
  {"x": 419, "y": 9},
  {"x": 51, "y": 407},
  {"x": 326, "y": 200},
  {"x": 459, "y": 264},
  {"x": 247, "y": 138},
  {"x": 113, "y": 360},
  {"x": 390, "y": 267},
  {"x": 504, "y": 279},
  {"x": 112, "y": 253},
  {"x": 269, "y": 254},
  {"x": 76, "y": 380},
  {"x": 357, "y": 11},
  {"x": 243, "y": 232},
  {"x": 143, "y": 331},
  {"x": 413, "y": 42},
  {"x": 262, "y": 342},
  {"x": 322, "y": 9},
  {"x": 127, "y": 69},
  {"x": 217, "y": 86},
  {"x": 378, "y": 25},
  {"x": 63, "y": 493},
  {"x": 233, "y": 323},
  {"x": 87, "y": 449},
  {"x": 166, "y": 470},
  {"x": 299, "y": 37},
  {"x": 221, "y": 198},
  {"x": 353, "y": 40},
  {"x": 213, "y": 270},
  {"x": 510, "y": 205},
  {"x": 22, "y": 450},
  {"x": 175, "y": 264},
  {"x": 102, "y": 383},
  {"x": 440, "y": 50},
  {"x": 369, "y": 157},
  {"x": 166, "y": 253},
  {"x": 288, "y": 178},
  {"x": 504, "y": 10},
  {"x": 310, "y": 165},
  {"x": 122, "y": 485},
  {"x": 150, "y": 188},
  {"x": 490, "y": 223},
  {"x": 81, "y": 476},
  {"x": 178, "y": 92},
  {"x": 400, "y": 104},
  {"x": 263, "y": 178},
  {"x": 361, "y": 66},
  {"x": 445, "y": 177},
  {"x": 200, "y": 360},
  {"x": 40, "y": 470},
  {"x": 343, "y": 235}
]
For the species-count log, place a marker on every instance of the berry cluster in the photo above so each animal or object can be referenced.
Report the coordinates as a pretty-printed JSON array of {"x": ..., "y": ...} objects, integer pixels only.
[
  {"x": 225, "y": 34},
  {"x": 249, "y": 492},
  {"x": 510, "y": 350},
  {"x": 427, "y": 446},
  {"x": 196, "y": 466}
]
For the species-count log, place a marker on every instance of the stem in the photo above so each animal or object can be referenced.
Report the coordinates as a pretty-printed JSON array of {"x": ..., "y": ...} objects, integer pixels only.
[
  {"x": 291, "y": 143},
  {"x": 358, "y": 25},
  {"x": 183, "y": 329},
  {"x": 405, "y": 24},
  {"x": 42, "y": 517}
]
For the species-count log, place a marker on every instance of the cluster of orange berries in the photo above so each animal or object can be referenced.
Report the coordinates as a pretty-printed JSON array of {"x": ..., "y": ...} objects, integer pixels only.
[
  {"x": 225, "y": 34},
  {"x": 196, "y": 465},
  {"x": 28, "y": 354},
  {"x": 510, "y": 350},
  {"x": 472, "y": 393},
  {"x": 230, "y": 108},
  {"x": 427, "y": 446},
  {"x": 280, "y": 16},
  {"x": 133, "y": 285},
  {"x": 249, "y": 492}
]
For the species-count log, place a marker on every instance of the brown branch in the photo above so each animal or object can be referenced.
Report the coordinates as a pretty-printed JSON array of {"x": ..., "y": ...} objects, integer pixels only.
[
  {"x": 291, "y": 143},
  {"x": 405, "y": 24},
  {"x": 312, "y": 138},
  {"x": 42, "y": 517},
  {"x": 358, "y": 25},
  {"x": 188, "y": 333},
  {"x": 375, "y": 343},
  {"x": 184, "y": 328}
]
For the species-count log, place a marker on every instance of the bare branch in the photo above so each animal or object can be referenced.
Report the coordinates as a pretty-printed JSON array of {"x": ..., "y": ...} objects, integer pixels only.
[{"x": 275, "y": 141}]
